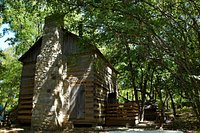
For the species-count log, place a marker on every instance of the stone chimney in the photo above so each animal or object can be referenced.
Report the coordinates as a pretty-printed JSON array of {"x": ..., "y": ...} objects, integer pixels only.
[{"x": 49, "y": 100}]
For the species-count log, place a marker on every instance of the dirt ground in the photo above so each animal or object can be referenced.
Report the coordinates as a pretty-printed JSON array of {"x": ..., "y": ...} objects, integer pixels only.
[
  {"x": 146, "y": 126},
  {"x": 185, "y": 122},
  {"x": 86, "y": 130}
]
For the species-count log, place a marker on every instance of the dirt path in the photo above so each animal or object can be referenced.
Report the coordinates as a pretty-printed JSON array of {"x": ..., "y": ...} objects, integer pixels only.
[{"x": 89, "y": 130}]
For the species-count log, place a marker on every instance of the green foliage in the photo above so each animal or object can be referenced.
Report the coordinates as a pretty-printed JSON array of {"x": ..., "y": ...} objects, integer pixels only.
[
  {"x": 27, "y": 24},
  {"x": 9, "y": 79}
]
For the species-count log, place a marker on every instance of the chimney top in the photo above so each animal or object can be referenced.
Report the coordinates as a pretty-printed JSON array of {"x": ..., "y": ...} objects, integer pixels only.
[{"x": 56, "y": 19}]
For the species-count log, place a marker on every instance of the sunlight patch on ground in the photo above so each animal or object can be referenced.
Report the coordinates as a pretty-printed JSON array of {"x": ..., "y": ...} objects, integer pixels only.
[
  {"x": 11, "y": 130},
  {"x": 146, "y": 131}
]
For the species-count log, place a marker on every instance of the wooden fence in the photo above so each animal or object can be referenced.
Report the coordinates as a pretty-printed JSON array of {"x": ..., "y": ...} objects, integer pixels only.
[{"x": 122, "y": 114}]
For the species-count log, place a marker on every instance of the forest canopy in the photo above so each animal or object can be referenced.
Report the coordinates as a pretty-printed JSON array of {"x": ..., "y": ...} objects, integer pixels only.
[{"x": 154, "y": 44}]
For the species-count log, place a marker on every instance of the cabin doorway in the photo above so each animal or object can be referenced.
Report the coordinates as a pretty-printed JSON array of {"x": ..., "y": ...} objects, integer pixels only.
[{"x": 77, "y": 103}]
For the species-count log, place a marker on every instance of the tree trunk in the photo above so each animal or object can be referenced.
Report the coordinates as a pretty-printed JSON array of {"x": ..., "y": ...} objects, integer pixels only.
[
  {"x": 173, "y": 104},
  {"x": 196, "y": 98},
  {"x": 162, "y": 105},
  {"x": 151, "y": 87},
  {"x": 161, "y": 109},
  {"x": 131, "y": 70},
  {"x": 143, "y": 87},
  {"x": 196, "y": 107}
]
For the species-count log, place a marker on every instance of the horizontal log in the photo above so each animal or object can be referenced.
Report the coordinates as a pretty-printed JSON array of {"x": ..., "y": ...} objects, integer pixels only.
[
  {"x": 101, "y": 89},
  {"x": 132, "y": 115},
  {"x": 87, "y": 108},
  {"x": 99, "y": 57},
  {"x": 89, "y": 91},
  {"x": 26, "y": 89},
  {"x": 104, "y": 73},
  {"x": 120, "y": 119},
  {"x": 87, "y": 121},
  {"x": 25, "y": 106},
  {"x": 30, "y": 66},
  {"x": 103, "y": 86},
  {"x": 79, "y": 61},
  {"x": 24, "y": 117},
  {"x": 117, "y": 114},
  {"x": 89, "y": 104},
  {"x": 80, "y": 69},
  {"x": 89, "y": 100},
  {"x": 100, "y": 99},
  {"x": 28, "y": 76},
  {"x": 111, "y": 111},
  {"x": 105, "y": 70},
  {"x": 26, "y": 101},
  {"x": 99, "y": 115},
  {"x": 25, "y": 112},
  {"x": 24, "y": 121},
  {"x": 27, "y": 84},
  {"x": 92, "y": 88},
  {"x": 89, "y": 113},
  {"x": 26, "y": 92},
  {"x": 89, "y": 117},
  {"x": 29, "y": 63},
  {"x": 99, "y": 108},
  {"x": 84, "y": 85},
  {"x": 89, "y": 94},
  {"x": 75, "y": 64},
  {"x": 122, "y": 109},
  {"x": 27, "y": 81},
  {"x": 126, "y": 104},
  {"x": 79, "y": 78},
  {"x": 105, "y": 82},
  {"x": 80, "y": 73},
  {"x": 99, "y": 104},
  {"x": 102, "y": 78},
  {"x": 120, "y": 113},
  {"x": 101, "y": 94},
  {"x": 26, "y": 96},
  {"x": 28, "y": 73},
  {"x": 82, "y": 65},
  {"x": 23, "y": 85}
]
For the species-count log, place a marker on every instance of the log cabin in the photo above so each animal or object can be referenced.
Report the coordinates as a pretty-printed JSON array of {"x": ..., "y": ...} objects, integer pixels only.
[
  {"x": 89, "y": 80},
  {"x": 67, "y": 82}
]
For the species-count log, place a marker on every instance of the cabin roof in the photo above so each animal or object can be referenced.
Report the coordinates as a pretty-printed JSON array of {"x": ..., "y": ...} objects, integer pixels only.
[{"x": 38, "y": 43}]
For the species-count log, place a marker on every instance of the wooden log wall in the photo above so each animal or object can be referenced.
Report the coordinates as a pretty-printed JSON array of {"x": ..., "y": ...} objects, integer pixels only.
[
  {"x": 81, "y": 68},
  {"x": 97, "y": 79},
  {"x": 105, "y": 82},
  {"x": 26, "y": 93},
  {"x": 27, "y": 83},
  {"x": 122, "y": 114}
]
